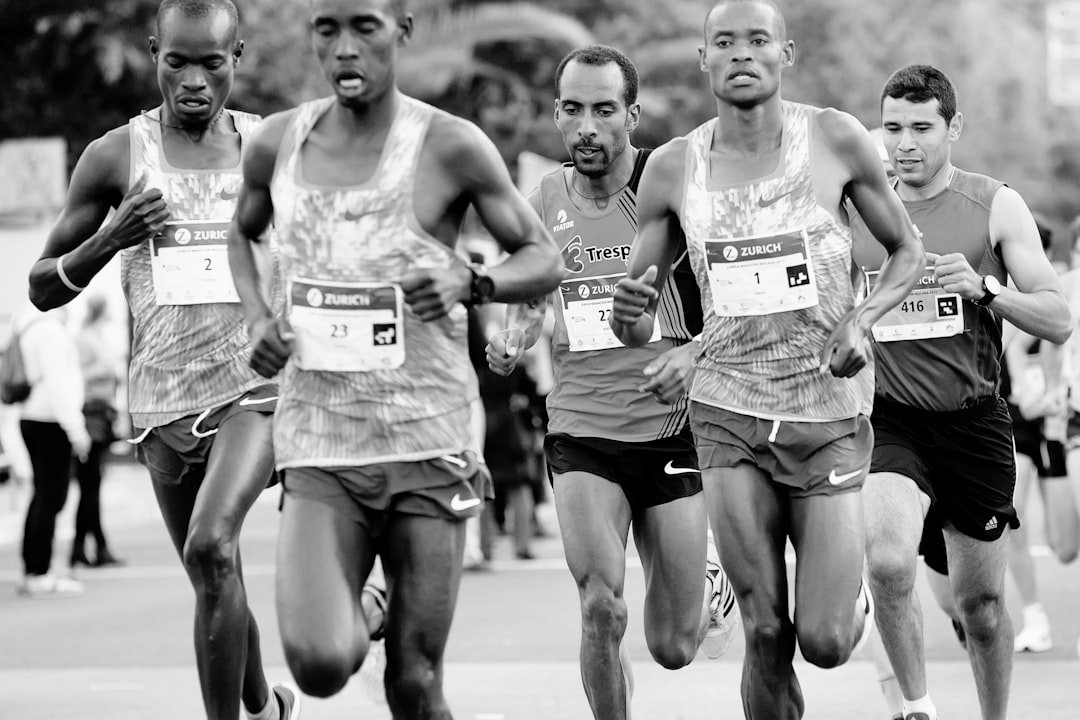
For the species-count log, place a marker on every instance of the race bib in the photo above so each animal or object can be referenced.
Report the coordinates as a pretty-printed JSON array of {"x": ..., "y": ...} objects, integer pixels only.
[
  {"x": 189, "y": 263},
  {"x": 927, "y": 312},
  {"x": 761, "y": 275},
  {"x": 347, "y": 327},
  {"x": 586, "y": 306}
]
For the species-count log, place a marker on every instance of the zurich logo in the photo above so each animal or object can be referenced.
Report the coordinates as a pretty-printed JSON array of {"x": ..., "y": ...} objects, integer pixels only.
[
  {"x": 315, "y": 297},
  {"x": 730, "y": 252},
  {"x": 183, "y": 236},
  {"x": 583, "y": 290}
]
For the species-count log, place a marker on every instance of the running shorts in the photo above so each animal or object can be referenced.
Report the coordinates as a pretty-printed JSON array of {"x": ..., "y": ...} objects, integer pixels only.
[
  {"x": 650, "y": 473},
  {"x": 809, "y": 458},
  {"x": 178, "y": 452},
  {"x": 451, "y": 487},
  {"x": 962, "y": 459},
  {"x": 1048, "y": 456}
]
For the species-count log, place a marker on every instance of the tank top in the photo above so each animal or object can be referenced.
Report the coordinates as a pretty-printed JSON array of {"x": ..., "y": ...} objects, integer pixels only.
[
  {"x": 369, "y": 382},
  {"x": 596, "y": 377},
  {"x": 774, "y": 268},
  {"x": 186, "y": 354},
  {"x": 956, "y": 371}
]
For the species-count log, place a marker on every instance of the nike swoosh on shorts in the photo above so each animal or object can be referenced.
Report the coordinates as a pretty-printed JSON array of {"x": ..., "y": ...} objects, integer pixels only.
[
  {"x": 835, "y": 479},
  {"x": 459, "y": 505},
  {"x": 670, "y": 469}
]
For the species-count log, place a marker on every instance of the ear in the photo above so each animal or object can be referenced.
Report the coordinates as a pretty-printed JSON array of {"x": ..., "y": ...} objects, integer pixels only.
[
  {"x": 633, "y": 117},
  {"x": 405, "y": 30},
  {"x": 701, "y": 59},
  {"x": 555, "y": 115},
  {"x": 956, "y": 126},
  {"x": 238, "y": 50},
  {"x": 789, "y": 54},
  {"x": 154, "y": 47}
]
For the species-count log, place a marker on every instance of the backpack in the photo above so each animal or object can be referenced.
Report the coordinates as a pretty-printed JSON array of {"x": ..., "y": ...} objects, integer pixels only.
[{"x": 14, "y": 384}]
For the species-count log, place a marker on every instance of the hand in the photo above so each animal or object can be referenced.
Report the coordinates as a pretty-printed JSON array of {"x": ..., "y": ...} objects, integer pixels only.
[
  {"x": 847, "y": 350},
  {"x": 80, "y": 447},
  {"x": 272, "y": 341},
  {"x": 141, "y": 215},
  {"x": 955, "y": 275},
  {"x": 632, "y": 296},
  {"x": 669, "y": 374},
  {"x": 432, "y": 292},
  {"x": 504, "y": 350}
]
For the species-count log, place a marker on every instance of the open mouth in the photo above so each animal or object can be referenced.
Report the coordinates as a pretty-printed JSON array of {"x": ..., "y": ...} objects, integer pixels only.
[{"x": 349, "y": 81}]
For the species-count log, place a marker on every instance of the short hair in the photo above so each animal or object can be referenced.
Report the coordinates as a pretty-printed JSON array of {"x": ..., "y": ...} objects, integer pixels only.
[
  {"x": 600, "y": 55},
  {"x": 198, "y": 9},
  {"x": 920, "y": 84},
  {"x": 781, "y": 24}
]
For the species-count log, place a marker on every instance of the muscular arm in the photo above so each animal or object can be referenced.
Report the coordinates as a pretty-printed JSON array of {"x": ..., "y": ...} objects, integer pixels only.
[
  {"x": 254, "y": 210},
  {"x": 534, "y": 266},
  {"x": 1037, "y": 304},
  {"x": 658, "y": 198},
  {"x": 883, "y": 212},
  {"x": 99, "y": 183}
]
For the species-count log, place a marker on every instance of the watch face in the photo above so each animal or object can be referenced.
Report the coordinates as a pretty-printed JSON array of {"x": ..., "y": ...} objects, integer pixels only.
[{"x": 992, "y": 284}]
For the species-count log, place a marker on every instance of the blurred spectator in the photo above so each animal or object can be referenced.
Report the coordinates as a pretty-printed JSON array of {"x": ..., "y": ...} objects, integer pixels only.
[
  {"x": 53, "y": 429},
  {"x": 99, "y": 361}
]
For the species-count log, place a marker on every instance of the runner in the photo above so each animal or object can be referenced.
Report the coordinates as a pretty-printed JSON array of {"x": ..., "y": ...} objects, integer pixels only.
[
  {"x": 943, "y": 434},
  {"x": 202, "y": 417},
  {"x": 367, "y": 189},
  {"x": 619, "y": 449},
  {"x": 781, "y": 392}
]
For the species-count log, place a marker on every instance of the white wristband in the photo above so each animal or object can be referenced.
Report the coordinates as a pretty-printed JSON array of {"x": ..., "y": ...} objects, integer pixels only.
[{"x": 64, "y": 278}]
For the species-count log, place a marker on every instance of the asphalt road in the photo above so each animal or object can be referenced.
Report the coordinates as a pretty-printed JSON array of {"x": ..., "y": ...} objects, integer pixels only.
[{"x": 124, "y": 649}]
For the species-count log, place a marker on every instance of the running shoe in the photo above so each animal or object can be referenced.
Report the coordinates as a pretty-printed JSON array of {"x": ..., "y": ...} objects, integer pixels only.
[
  {"x": 373, "y": 672},
  {"x": 377, "y": 594},
  {"x": 867, "y": 599},
  {"x": 288, "y": 698},
  {"x": 918, "y": 716},
  {"x": 723, "y": 613},
  {"x": 1035, "y": 637},
  {"x": 49, "y": 586}
]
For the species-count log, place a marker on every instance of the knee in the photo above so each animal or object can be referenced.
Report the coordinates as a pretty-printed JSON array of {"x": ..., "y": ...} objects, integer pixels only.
[
  {"x": 673, "y": 652},
  {"x": 892, "y": 571},
  {"x": 210, "y": 557},
  {"x": 319, "y": 673},
  {"x": 765, "y": 641},
  {"x": 603, "y": 613},
  {"x": 983, "y": 615},
  {"x": 1065, "y": 548},
  {"x": 416, "y": 684},
  {"x": 825, "y": 646}
]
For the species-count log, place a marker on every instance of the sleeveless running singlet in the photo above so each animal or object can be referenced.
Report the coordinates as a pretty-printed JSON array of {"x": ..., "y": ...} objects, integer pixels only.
[
  {"x": 596, "y": 377},
  {"x": 953, "y": 371},
  {"x": 774, "y": 268},
  {"x": 189, "y": 347},
  {"x": 369, "y": 382}
]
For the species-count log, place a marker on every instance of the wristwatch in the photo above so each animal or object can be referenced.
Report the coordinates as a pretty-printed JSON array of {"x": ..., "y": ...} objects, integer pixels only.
[
  {"x": 481, "y": 287},
  {"x": 991, "y": 288}
]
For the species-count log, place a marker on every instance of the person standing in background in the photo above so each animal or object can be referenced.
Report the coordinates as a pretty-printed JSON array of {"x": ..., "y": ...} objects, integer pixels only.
[
  {"x": 53, "y": 430},
  {"x": 99, "y": 360}
]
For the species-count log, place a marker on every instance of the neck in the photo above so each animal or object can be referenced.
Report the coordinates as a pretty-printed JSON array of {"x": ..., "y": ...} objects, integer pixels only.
[
  {"x": 369, "y": 116},
  {"x": 615, "y": 179},
  {"x": 194, "y": 132},
  {"x": 937, "y": 185},
  {"x": 749, "y": 131}
]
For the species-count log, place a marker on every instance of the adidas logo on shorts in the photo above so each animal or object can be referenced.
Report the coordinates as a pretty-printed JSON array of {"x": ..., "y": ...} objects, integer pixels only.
[{"x": 992, "y": 524}]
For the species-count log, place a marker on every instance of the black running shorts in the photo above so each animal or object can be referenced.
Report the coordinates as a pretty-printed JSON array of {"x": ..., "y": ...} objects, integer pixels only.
[
  {"x": 1048, "y": 456},
  {"x": 650, "y": 473},
  {"x": 963, "y": 460}
]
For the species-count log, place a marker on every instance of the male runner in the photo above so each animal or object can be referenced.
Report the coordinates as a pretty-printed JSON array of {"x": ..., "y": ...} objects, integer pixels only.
[
  {"x": 943, "y": 437},
  {"x": 780, "y": 397},
  {"x": 619, "y": 449},
  {"x": 203, "y": 417},
  {"x": 367, "y": 189}
]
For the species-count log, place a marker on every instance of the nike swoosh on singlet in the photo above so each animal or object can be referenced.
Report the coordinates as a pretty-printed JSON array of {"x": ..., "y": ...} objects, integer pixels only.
[
  {"x": 670, "y": 469},
  {"x": 459, "y": 505},
  {"x": 244, "y": 402},
  {"x": 765, "y": 202},
  {"x": 226, "y": 195},
  {"x": 352, "y": 217},
  {"x": 835, "y": 479}
]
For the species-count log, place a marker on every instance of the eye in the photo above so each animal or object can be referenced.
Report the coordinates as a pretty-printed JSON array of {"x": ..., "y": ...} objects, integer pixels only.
[{"x": 174, "y": 63}]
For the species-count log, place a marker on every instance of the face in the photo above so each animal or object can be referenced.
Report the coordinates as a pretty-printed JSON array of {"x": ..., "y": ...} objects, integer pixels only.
[
  {"x": 744, "y": 53},
  {"x": 356, "y": 42},
  {"x": 196, "y": 59},
  {"x": 918, "y": 139},
  {"x": 592, "y": 115}
]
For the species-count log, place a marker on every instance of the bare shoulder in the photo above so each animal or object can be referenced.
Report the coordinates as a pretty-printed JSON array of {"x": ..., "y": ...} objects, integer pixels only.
[
  {"x": 270, "y": 132},
  {"x": 669, "y": 160},
  {"x": 104, "y": 163},
  {"x": 839, "y": 131},
  {"x": 454, "y": 139}
]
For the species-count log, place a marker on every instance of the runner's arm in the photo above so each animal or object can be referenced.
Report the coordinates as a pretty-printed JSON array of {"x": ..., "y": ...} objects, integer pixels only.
[
  {"x": 529, "y": 316},
  {"x": 77, "y": 242},
  {"x": 883, "y": 213},
  {"x": 1037, "y": 304},
  {"x": 254, "y": 211},
  {"x": 653, "y": 251},
  {"x": 534, "y": 266}
]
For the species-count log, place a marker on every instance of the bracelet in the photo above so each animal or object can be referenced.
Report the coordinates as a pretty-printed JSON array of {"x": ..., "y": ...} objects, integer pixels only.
[{"x": 64, "y": 278}]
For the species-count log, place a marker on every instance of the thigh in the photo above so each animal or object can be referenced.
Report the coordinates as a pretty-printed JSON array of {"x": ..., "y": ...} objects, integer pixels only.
[
  {"x": 894, "y": 509},
  {"x": 238, "y": 469},
  {"x": 594, "y": 519},
  {"x": 422, "y": 560},
  {"x": 827, "y": 532},
  {"x": 976, "y": 567},
  {"x": 323, "y": 558},
  {"x": 749, "y": 517},
  {"x": 671, "y": 542}
]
